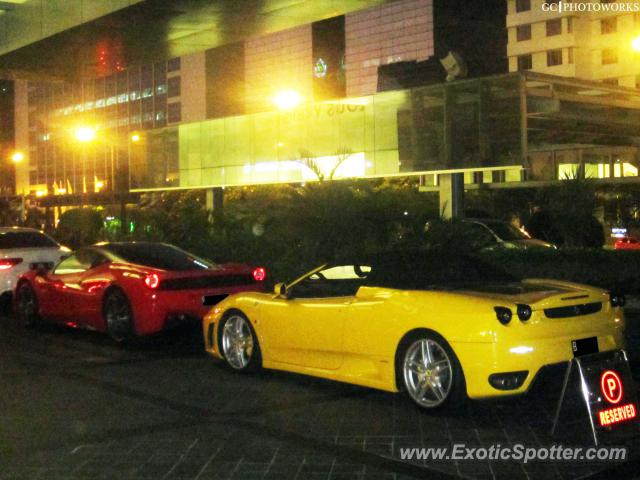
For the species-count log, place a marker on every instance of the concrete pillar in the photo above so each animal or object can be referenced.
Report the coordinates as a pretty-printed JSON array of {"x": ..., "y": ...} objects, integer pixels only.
[
  {"x": 215, "y": 203},
  {"x": 451, "y": 195}
]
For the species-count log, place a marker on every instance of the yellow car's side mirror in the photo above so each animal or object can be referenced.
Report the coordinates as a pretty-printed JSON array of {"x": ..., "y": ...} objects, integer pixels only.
[{"x": 280, "y": 290}]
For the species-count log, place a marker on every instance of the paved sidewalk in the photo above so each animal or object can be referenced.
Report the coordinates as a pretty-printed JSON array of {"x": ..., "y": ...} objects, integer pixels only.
[{"x": 73, "y": 406}]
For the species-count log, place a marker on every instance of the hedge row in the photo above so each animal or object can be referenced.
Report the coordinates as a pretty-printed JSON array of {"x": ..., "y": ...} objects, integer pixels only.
[{"x": 611, "y": 269}]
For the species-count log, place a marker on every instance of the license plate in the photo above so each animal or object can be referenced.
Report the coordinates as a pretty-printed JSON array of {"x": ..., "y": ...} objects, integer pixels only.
[
  {"x": 584, "y": 346},
  {"x": 211, "y": 300}
]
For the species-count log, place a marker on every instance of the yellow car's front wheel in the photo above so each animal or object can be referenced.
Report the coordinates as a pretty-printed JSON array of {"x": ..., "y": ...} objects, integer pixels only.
[
  {"x": 430, "y": 372},
  {"x": 239, "y": 343}
]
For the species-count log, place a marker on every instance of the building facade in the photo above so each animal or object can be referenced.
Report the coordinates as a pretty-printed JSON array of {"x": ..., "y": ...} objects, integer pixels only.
[
  {"x": 591, "y": 40},
  {"x": 355, "y": 94},
  {"x": 144, "y": 116}
]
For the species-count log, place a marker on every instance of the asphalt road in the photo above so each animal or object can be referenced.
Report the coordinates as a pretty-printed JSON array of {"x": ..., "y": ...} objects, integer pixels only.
[{"x": 75, "y": 406}]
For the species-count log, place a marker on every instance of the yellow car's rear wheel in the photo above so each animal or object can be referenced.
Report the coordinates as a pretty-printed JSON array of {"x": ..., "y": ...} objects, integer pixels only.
[{"x": 430, "y": 372}]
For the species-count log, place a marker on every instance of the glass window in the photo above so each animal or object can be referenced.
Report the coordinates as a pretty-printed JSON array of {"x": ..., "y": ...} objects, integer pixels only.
[
  {"x": 506, "y": 231},
  {"x": 570, "y": 55},
  {"x": 26, "y": 239},
  {"x": 342, "y": 272},
  {"x": 554, "y": 57},
  {"x": 525, "y": 62},
  {"x": 554, "y": 27},
  {"x": 608, "y": 25},
  {"x": 174, "y": 112},
  {"x": 523, "y": 32},
  {"x": 609, "y": 56},
  {"x": 569, "y": 25},
  {"x": 157, "y": 255},
  {"x": 70, "y": 265},
  {"x": 333, "y": 281},
  {"x": 174, "y": 87},
  {"x": 173, "y": 64},
  {"x": 523, "y": 5}
]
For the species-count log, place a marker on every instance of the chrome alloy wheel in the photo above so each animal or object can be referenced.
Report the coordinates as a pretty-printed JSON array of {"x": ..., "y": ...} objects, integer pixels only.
[
  {"x": 428, "y": 374},
  {"x": 237, "y": 342}
]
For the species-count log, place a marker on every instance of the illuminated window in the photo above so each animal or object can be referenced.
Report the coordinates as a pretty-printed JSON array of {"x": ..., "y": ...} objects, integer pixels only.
[
  {"x": 554, "y": 27},
  {"x": 523, "y": 32},
  {"x": 525, "y": 62},
  {"x": 608, "y": 25},
  {"x": 609, "y": 56},
  {"x": 568, "y": 171},
  {"x": 624, "y": 170},
  {"x": 597, "y": 170},
  {"x": 554, "y": 57},
  {"x": 513, "y": 175}
]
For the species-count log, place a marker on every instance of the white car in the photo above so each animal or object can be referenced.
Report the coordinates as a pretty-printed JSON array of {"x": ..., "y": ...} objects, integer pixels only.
[{"x": 22, "y": 249}]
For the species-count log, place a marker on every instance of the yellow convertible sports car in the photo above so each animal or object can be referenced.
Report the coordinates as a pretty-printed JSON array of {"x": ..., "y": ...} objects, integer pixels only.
[{"x": 436, "y": 325}]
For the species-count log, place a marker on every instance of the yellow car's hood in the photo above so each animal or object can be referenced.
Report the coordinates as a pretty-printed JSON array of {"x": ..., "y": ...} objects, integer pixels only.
[{"x": 537, "y": 293}]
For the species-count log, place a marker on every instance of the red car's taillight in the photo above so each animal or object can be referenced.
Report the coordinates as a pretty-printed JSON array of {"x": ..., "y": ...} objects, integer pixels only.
[
  {"x": 259, "y": 274},
  {"x": 152, "y": 281},
  {"x": 7, "y": 263}
]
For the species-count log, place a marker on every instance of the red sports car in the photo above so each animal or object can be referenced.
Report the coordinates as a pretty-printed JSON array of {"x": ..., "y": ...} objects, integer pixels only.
[{"x": 129, "y": 289}]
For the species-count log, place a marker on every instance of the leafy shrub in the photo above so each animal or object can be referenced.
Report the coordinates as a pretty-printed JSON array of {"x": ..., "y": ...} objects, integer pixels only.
[{"x": 79, "y": 227}]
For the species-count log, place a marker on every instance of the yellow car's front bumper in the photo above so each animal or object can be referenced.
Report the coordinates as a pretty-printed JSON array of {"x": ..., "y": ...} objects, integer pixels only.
[{"x": 481, "y": 360}]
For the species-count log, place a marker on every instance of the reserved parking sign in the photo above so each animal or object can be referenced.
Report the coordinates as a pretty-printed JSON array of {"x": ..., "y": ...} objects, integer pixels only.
[{"x": 610, "y": 395}]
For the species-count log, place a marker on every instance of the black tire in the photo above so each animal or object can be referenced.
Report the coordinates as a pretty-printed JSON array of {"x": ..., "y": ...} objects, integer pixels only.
[
  {"x": 435, "y": 384},
  {"x": 27, "y": 306},
  {"x": 118, "y": 316},
  {"x": 238, "y": 343}
]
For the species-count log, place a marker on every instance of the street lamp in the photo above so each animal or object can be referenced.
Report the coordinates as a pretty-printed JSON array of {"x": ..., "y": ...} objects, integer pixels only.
[
  {"x": 635, "y": 44},
  {"x": 17, "y": 157},
  {"x": 287, "y": 99},
  {"x": 85, "y": 134}
]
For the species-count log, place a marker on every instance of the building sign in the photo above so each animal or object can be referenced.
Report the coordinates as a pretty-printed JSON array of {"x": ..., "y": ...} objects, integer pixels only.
[{"x": 320, "y": 68}]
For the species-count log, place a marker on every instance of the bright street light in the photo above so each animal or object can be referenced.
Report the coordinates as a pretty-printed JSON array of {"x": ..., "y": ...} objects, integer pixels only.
[
  {"x": 635, "y": 44},
  {"x": 135, "y": 137},
  {"x": 287, "y": 99},
  {"x": 85, "y": 134},
  {"x": 17, "y": 157}
]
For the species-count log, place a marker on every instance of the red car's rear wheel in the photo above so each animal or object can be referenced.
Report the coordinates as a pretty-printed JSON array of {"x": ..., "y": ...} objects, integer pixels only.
[{"x": 118, "y": 316}]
